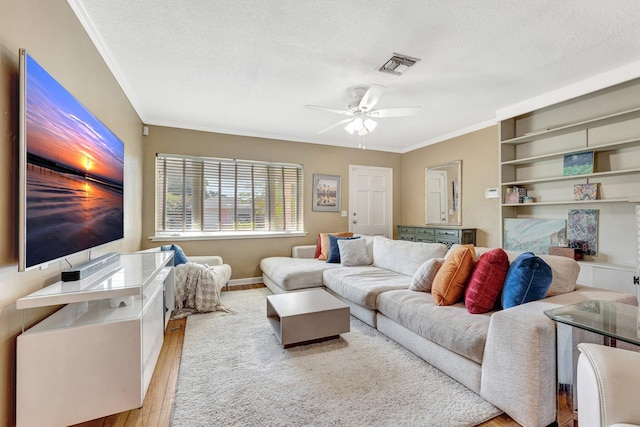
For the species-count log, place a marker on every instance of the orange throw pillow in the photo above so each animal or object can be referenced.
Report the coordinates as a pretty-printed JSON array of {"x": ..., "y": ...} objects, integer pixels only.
[
  {"x": 448, "y": 285},
  {"x": 324, "y": 243}
]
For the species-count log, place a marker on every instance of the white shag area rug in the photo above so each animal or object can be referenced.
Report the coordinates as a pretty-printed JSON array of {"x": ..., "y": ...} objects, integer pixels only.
[{"x": 234, "y": 372}]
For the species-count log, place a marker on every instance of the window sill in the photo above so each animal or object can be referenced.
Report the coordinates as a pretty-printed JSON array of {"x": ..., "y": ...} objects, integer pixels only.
[{"x": 231, "y": 235}]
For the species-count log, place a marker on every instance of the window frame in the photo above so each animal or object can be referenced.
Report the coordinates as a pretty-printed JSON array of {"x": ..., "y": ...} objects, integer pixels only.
[{"x": 279, "y": 220}]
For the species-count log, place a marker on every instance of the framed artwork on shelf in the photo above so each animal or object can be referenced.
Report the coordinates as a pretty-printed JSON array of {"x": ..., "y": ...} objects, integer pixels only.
[
  {"x": 326, "y": 193},
  {"x": 585, "y": 191},
  {"x": 578, "y": 163},
  {"x": 583, "y": 230},
  {"x": 534, "y": 235}
]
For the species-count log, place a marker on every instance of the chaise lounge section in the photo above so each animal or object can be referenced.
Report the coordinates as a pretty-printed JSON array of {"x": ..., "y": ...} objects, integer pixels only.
[{"x": 507, "y": 356}]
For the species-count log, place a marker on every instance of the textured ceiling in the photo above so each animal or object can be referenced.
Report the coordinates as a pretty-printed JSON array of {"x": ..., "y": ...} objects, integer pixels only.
[{"x": 249, "y": 67}]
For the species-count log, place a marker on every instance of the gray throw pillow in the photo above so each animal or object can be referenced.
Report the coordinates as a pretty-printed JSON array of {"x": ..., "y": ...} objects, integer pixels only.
[
  {"x": 353, "y": 252},
  {"x": 423, "y": 278}
]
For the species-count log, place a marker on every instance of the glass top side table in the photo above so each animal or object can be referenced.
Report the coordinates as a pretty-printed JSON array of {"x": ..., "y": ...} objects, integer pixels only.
[
  {"x": 607, "y": 318},
  {"x": 589, "y": 321}
]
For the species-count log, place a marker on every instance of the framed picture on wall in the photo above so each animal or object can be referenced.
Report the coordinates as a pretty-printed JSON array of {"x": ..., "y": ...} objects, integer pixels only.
[{"x": 326, "y": 193}]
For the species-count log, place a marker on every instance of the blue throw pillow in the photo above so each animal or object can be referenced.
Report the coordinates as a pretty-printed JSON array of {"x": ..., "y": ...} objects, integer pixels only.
[
  {"x": 528, "y": 279},
  {"x": 178, "y": 255},
  {"x": 334, "y": 250}
]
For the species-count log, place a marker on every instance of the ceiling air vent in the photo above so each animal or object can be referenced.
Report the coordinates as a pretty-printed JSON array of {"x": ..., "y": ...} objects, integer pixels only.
[{"x": 398, "y": 64}]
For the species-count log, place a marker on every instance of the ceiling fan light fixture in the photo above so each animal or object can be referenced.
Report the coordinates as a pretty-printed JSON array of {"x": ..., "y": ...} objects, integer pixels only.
[
  {"x": 360, "y": 127},
  {"x": 370, "y": 124},
  {"x": 398, "y": 64},
  {"x": 354, "y": 126}
]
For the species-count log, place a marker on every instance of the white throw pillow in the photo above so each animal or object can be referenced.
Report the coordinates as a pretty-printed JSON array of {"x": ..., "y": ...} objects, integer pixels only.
[
  {"x": 353, "y": 252},
  {"x": 423, "y": 278}
]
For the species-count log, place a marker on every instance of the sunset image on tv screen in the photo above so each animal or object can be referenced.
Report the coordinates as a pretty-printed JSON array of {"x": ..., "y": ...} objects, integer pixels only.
[{"x": 74, "y": 173}]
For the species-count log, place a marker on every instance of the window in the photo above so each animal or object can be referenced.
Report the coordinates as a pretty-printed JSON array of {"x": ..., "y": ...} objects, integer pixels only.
[{"x": 208, "y": 195}]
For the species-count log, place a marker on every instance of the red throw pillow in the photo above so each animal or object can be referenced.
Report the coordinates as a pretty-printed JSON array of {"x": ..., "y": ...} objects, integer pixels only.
[
  {"x": 318, "y": 248},
  {"x": 486, "y": 282}
]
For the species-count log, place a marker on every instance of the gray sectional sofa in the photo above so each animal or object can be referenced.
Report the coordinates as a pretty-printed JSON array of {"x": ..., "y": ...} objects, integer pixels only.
[{"x": 506, "y": 356}]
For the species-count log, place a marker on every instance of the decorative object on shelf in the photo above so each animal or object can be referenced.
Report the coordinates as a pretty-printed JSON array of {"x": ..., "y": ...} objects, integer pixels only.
[
  {"x": 578, "y": 163},
  {"x": 510, "y": 197},
  {"x": 326, "y": 193},
  {"x": 585, "y": 191},
  {"x": 573, "y": 253},
  {"x": 515, "y": 195},
  {"x": 583, "y": 228},
  {"x": 528, "y": 199},
  {"x": 521, "y": 192},
  {"x": 533, "y": 235}
]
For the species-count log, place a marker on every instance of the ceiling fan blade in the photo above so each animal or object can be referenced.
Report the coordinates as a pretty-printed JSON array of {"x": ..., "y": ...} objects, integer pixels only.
[
  {"x": 335, "y": 125},
  {"x": 371, "y": 97},
  {"x": 395, "y": 112},
  {"x": 330, "y": 110}
]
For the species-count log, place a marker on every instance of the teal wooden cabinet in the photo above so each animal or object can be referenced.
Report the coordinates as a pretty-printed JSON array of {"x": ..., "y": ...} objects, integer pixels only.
[{"x": 430, "y": 234}]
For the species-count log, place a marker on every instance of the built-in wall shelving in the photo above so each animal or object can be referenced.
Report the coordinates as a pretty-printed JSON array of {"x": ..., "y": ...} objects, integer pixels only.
[{"x": 533, "y": 147}]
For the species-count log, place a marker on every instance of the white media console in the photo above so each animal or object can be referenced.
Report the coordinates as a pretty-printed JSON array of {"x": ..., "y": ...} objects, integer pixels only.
[{"x": 95, "y": 356}]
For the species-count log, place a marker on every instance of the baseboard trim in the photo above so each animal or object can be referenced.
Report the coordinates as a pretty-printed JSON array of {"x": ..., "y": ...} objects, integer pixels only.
[{"x": 246, "y": 281}]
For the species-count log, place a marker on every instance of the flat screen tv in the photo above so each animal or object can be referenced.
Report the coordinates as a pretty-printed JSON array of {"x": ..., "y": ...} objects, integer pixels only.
[{"x": 71, "y": 173}]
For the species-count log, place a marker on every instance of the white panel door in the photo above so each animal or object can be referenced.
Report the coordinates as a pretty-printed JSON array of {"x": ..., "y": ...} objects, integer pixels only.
[
  {"x": 437, "y": 197},
  {"x": 371, "y": 200}
]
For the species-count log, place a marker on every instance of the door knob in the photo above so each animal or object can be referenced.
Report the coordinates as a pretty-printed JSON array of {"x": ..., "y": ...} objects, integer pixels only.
[{"x": 355, "y": 221}]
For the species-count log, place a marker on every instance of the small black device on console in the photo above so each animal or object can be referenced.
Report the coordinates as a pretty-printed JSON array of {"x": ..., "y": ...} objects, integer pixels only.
[{"x": 90, "y": 267}]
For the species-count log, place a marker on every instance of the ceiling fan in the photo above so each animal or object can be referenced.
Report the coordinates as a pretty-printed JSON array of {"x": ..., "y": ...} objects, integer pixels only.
[{"x": 361, "y": 112}]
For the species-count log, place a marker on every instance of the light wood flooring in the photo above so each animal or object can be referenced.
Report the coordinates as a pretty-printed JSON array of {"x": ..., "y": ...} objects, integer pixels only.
[{"x": 156, "y": 409}]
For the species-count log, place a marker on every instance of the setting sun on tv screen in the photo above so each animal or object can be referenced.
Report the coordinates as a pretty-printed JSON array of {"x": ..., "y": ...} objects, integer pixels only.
[{"x": 73, "y": 172}]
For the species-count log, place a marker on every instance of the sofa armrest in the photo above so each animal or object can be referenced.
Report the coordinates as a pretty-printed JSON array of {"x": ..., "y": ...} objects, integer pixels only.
[
  {"x": 519, "y": 362},
  {"x": 304, "y": 251},
  {"x": 608, "y": 378},
  {"x": 210, "y": 260}
]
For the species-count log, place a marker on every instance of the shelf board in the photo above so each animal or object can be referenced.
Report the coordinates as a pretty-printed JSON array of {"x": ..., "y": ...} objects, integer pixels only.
[
  {"x": 573, "y": 127},
  {"x": 567, "y": 202},
  {"x": 559, "y": 154},
  {"x": 121, "y": 279},
  {"x": 570, "y": 177}
]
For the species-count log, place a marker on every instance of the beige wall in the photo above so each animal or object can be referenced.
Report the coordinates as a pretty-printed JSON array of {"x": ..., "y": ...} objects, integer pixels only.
[
  {"x": 244, "y": 254},
  {"x": 50, "y": 32},
  {"x": 479, "y": 154}
]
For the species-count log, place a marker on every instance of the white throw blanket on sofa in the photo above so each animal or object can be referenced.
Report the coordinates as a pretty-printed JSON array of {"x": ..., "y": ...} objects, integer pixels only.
[{"x": 197, "y": 290}]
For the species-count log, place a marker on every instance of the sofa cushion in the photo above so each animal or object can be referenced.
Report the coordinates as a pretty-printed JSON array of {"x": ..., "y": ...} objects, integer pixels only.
[
  {"x": 423, "y": 278},
  {"x": 449, "y": 283},
  {"x": 324, "y": 243},
  {"x": 404, "y": 257},
  {"x": 353, "y": 252},
  {"x": 528, "y": 279},
  {"x": 564, "y": 270},
  {"x": 361, "y": 285},
  {"x": 451, "y": 327},
  {"x": 486, "y": 282},
  {"x": 564, "y": 273},
  {"x": 334, "y": 250},
  {"x": 295, "y": 273}
]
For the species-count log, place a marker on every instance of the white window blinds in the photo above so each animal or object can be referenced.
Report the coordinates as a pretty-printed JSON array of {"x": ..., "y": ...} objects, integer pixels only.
[{"x": 201, "y": 194}]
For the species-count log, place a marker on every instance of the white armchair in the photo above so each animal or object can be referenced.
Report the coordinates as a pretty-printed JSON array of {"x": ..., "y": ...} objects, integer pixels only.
[{"x": 608, "y": 386}]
